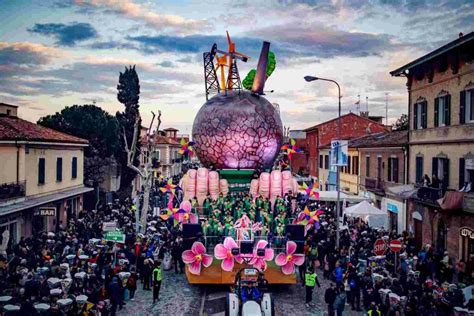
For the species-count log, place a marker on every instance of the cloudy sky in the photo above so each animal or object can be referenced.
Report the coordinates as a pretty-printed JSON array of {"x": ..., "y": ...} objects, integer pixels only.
[{"x": 55, "y": 53}]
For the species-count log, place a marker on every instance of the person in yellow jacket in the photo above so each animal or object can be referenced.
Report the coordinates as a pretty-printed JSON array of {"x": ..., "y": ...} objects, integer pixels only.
[
  {"x": 374, "y": 310},
  {"x": 156, "y": 277},
  {"x": 310, "y": 280}
]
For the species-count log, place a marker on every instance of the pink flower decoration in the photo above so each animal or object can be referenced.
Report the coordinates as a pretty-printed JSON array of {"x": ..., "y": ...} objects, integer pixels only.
[
  {"x": 184, "y": 214},
  {"x": 224, "y": 252},
  {"x": 260, "y": 263},
  {"x": 195, "y": 257},
  {"x": 289, "y": 259}
]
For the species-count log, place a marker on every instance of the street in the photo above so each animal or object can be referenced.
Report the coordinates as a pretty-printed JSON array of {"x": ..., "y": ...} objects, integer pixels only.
[{"x": 192, "y": 300}]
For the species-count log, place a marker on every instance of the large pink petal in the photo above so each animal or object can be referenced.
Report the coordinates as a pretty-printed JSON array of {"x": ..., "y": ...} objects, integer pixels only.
[
  {"x": 281, "y": 259},
  {"x": 195, "y": 268},
  {"x": 263, "y": 266},
  {"x": 288, "y": 268},
  {"x": 185, "y": 205},
  {"x": 230, "y": 243},
  {"x": 193, "y": 219},
  {"x": 290, "y": 247},
  {"x": 269, "y": 254},
  {"x": 198, "y": 248},
  {"x": 239, "y": 259},
  {"x": 227, "y": 264},
  {"x": 298, "y": 259},
  {"x": 188, "y": 256},
  {"x": 262, "y": 244},
  {"x": 220, "y": 252},
  {"x": 207, "y": 260}
]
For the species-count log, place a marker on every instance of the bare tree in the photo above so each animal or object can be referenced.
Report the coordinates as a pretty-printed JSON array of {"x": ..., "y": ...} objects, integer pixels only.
[{"x": 144, "y": 172}]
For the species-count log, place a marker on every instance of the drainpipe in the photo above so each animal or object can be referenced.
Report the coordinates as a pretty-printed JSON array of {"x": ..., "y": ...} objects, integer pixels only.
[{"x": 17, "y": 162}]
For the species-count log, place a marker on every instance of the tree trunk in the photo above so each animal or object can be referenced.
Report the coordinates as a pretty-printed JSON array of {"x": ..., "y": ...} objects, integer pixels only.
[{"x": 146, "y": 200}]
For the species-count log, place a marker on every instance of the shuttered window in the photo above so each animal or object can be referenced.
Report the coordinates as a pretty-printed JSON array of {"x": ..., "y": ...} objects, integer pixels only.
[
  {"x": 392, "y": 169},
  {"x": 462, "y": 171},
  {"x": 41, "y": 170},
  {"x": 420, "y": 115},
  {"x": 419, "y": 169},
  {"x": 320, "y": 161},
  {"x": 59, "y": 169},
  {"x": 367, "y": 166},
  {"x": 442, "y": 111},
  {"x": 74, "y": 168}
]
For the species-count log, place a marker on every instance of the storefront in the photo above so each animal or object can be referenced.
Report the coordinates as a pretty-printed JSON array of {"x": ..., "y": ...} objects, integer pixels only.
[
  {"x": 396, "y": 211},
  {"x": 466, "y": 243}
]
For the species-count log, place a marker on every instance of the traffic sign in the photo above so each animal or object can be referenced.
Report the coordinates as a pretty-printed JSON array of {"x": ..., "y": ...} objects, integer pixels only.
[
  {"x": 380, "y": 247},
  {"x": 395, "y": 245},
  {"x": 115, "y": 236}
]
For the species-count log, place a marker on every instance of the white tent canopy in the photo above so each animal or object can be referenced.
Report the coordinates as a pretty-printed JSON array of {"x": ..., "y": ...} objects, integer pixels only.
[
  {"x": 364, "y": 208},
  {"x": 332, "y": 196}
]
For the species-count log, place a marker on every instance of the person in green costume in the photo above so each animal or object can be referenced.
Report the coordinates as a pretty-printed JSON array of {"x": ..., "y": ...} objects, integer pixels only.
[{"x": 206, "y": 206}]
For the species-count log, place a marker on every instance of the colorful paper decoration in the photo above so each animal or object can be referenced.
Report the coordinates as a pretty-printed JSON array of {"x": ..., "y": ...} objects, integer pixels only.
[
  {"x": 260, "y": 263},
  {"x": 310, "y": 190},
  {"x": 289, "y": 260},
  {"x": 224, "y": 252},
  {"x": 308, "y": 218},
  {"x": 291, "y": 148},
  {"x": 186, "y": 148},
  {"x": 195, "y": 257}
]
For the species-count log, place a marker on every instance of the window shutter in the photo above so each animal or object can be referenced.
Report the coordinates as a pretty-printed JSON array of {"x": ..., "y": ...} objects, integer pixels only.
[
  {"x": 446, "y": 172},
  {"x": 389, "y": 169},
  {"x": 447, "y": 110},
  {"x": 367, "y": 166},
  {"x": 419, "y": 169},
  {"x": 435, "y": 167},
  {"x": 415, "y": 116},
  {"x": 461, "y": 172},
  {"x": 462, "y": 108},
  {"x": 395, "y": 170},
  {"x": 436, "y": 112},
  {"x": 425, "y": 114}
]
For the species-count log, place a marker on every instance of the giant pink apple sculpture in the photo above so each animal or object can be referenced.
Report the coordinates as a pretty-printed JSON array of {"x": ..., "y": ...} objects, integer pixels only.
[{"x": 237, "y": 130}]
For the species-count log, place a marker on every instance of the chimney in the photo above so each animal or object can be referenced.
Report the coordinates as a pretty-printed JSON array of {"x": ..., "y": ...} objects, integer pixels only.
[
  {"x": 461, "y": 34},
  {"x": 261, "y": 76}
]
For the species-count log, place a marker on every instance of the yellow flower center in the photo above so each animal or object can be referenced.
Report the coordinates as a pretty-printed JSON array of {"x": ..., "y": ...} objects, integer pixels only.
[
  {"x": 229, "y": 254},
  {"x": 198, "y": 257},
  {"x": 289, "y": 257},
  {"x": 186, "y": 216}
]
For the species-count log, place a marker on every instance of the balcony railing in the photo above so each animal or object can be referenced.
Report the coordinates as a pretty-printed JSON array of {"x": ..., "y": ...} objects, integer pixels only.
[
  {"x": 429, "y": 195},
  {"x": 12, "y": 190},
  {"x": 375, "y": 185}
]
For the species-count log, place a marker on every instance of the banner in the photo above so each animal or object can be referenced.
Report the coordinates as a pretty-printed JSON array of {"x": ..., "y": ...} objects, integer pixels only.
[{"x": 339, "y": 150}]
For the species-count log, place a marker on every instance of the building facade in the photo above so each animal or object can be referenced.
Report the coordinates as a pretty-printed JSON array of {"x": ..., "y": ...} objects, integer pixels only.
[
  {"x": 321, "y": 135},
  {"x": 41, "y": 179},
  {"x": 441, "y": 145},
  {"x": 382, "y": 166},
  {"x": 299, "y": 161}
]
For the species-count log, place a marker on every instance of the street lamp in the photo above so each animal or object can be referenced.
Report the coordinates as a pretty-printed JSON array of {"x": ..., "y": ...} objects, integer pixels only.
[{"x": 338, "y": 177}]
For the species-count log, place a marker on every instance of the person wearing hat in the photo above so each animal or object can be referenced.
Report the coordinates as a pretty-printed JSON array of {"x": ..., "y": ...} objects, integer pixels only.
[
  {"x": 156, "y": 277},
  {"x": 311, "y": 279}
]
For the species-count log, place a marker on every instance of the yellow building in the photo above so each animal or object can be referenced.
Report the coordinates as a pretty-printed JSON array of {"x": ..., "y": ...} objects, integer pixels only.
[
  {"x": 349, "y": 175},
  {"x": 441, "y": 146},
  {"x": 41, "y": 178}
]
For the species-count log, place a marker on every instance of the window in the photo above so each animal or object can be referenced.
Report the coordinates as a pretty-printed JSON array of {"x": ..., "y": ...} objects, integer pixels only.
[
  {"x": 392, "y": 169},
  {"x": 41, "y": 169},
  {"x": 419, "y": 115},
  {"x": 355, "y": 165},
  {"x": 466, "y": 111},
  {"x": 9, "y": 112},
  {"x": 326, "y": 161},
  {"x": 462, "y": 172},
  {"x": 74, "y": 168},
  {"x": 442, "y": 111},
  {"x": 419, "y": 169},
  {"x": 348, "y": 168},
  {"x": 320, "y": 161},
  {"x": 367, "y": 166},
  {"x": 379, "y": 168},
  {"x": 440, "y": 168},
  {"x": 59, "y": 169}
]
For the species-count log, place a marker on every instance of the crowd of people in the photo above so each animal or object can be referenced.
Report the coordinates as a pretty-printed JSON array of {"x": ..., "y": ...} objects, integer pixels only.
[{"x": 75, "y": 271}]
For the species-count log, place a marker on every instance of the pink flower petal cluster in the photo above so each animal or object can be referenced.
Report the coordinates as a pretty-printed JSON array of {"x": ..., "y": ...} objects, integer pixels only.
[
  {"x": 224, "y": 252},
  {"x": 195, "y": 257},
  {"x": 289, "y": 260},
  {"x": 260, "y": 263}
]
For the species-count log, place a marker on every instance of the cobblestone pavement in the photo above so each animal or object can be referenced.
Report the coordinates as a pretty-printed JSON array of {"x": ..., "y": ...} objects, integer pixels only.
[{"x": 178, "y": 298}]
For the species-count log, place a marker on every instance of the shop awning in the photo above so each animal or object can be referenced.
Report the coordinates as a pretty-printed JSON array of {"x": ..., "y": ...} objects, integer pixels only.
[
  {"x": 45, "y": 199},
  {"x": 451, "y": 201},
  {"x": 403, "y": 191}
]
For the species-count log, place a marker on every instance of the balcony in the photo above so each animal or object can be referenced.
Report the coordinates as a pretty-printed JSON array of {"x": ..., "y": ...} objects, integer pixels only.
[
  {"x": 374, "y": 185},
  {"x": 429, "y": 196},
  {"x": 12, "y": 190}
]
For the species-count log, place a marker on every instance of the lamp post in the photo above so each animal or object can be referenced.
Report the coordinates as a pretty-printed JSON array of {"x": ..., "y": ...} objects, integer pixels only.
[{"x": 338, "y": 176}]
